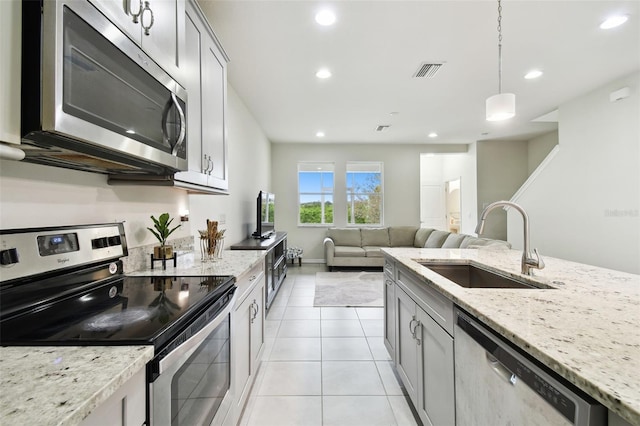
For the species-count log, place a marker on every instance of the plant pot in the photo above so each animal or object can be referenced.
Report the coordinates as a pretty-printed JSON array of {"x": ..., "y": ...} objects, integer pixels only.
[{"x": 163, "y": 252}]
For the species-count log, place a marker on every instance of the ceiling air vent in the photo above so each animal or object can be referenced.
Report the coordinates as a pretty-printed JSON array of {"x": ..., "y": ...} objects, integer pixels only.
[
  {"x": 382, "y": 127},
  {"x": 427, "y": 70}
]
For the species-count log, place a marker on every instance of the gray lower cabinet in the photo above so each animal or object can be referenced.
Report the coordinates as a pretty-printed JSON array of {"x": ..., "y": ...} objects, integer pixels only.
[
  {"x": 424, "y": 355},
  {"x": 126, "y": 407},
  {"x": 390, "y": 315},
  {"x": 248, "y": 334}
]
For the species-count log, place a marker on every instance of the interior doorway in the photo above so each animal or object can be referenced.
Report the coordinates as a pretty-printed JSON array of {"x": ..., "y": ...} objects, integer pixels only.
[{"x": 453, "y": 205}]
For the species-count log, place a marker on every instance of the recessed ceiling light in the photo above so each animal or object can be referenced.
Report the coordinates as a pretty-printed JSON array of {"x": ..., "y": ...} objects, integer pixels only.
[
  {"x": 320, "y": 134},
  {"x": 131, "y": 132},
  {"x": 614, "y": 21},
  {"x": 433, "y": 135},
  {"x": 325, "y": 17},
  {"x": 323, "y": 73},
  {"x": 533, "y": 74}
]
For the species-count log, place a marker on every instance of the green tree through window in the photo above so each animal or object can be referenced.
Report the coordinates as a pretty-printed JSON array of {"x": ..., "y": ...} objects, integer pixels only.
[
  {"x": 315, "y": 193},
  {"x": 364, "y": 193}
]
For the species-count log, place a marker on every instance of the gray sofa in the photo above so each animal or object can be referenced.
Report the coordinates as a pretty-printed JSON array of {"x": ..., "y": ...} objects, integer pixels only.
[{"x": 361, "y": 246}]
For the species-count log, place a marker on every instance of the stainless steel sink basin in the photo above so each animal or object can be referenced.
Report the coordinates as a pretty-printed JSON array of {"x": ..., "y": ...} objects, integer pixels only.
[{"x": 471, "y": 276}]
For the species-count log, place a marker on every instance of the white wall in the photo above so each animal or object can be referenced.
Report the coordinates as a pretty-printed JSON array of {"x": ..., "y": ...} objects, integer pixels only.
[
  {"x": 447, "y": 167},
  {"x": 32, "y": 195},
  {"x": 401, "y": 185},
  {"x": 463, "y": 166},
  {"x": 249, "y": 172},
  {"x": 585, "y": 205}
]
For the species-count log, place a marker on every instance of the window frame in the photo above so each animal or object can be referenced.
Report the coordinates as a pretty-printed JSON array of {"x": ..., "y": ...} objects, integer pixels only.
[
  {"x": 349, "y": 194},
  {"x": 325, "y": 166}
]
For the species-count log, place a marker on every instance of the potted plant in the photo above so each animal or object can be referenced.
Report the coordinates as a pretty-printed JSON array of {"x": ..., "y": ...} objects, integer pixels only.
[{"x": 162, "y": 232}]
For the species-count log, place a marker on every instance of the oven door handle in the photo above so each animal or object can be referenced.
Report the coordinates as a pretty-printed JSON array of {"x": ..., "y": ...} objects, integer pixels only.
[{"x": 194, "y": 342}]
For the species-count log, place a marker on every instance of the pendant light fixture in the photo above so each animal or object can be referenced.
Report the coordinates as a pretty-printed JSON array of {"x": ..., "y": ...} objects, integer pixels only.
[{"x": 503, "y": 105}]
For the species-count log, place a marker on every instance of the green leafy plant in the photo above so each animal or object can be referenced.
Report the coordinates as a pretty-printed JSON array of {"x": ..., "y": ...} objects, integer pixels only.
[{"x": 162, "y": 225}]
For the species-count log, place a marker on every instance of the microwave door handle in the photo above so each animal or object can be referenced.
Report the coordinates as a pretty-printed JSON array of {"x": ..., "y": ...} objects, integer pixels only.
[{"x": 183, "y": 124}]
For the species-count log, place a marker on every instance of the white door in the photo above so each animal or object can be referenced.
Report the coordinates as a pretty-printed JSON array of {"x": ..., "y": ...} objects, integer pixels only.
[{"x": 432, "y": 201}]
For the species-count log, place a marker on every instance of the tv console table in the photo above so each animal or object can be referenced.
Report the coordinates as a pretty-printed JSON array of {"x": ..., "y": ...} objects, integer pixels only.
[{"x": 275, "y": 260}]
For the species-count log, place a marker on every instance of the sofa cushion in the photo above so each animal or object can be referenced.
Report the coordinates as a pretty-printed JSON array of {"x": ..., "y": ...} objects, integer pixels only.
[
  {"x": 349, "y": 251},
  {"x": 402, "y": 236},
  {"x": 372, "y": 251},
  {"x": 436, "y": 239},
  {"x": 421, "y": 236},
  {"x": 377, "y": 237},
  {"x": 454, "y": 241},
  {"x": 345, "y": 236}
]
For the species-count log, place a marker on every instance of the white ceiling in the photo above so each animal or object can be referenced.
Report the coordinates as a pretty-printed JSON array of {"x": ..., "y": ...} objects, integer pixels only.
[{"x": 375, "y": 47}]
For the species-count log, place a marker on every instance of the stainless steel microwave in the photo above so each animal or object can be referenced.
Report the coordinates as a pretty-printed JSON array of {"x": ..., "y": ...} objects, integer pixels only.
[{"x": 92, "y": 99}]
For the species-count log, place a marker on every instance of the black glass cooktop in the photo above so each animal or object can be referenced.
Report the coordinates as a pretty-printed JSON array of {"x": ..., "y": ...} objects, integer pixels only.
[{"x": 123, "y": 310}]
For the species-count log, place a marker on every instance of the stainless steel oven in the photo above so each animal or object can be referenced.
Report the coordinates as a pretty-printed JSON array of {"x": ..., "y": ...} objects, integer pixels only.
[
  {"x": 92, "y": 99},
  {"x": 191, "y": 379},
  {"x": 65, "y": 286}
]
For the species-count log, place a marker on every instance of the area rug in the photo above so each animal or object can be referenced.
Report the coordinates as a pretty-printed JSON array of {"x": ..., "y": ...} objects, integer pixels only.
[{"x": 349, "y": 289}]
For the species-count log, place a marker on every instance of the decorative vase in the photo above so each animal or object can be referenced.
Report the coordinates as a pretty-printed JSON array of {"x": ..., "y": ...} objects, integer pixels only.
[
  {"x": 218, "y": 247},
  {"x": 163, "y": 252}
]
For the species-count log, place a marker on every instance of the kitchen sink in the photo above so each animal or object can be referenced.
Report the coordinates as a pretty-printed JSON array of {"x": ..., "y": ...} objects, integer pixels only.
[{"x": 471, "y": 276}]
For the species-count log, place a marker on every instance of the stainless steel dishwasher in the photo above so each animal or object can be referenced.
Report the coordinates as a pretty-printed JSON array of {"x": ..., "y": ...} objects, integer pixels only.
[{"x": 497, "y": 385}]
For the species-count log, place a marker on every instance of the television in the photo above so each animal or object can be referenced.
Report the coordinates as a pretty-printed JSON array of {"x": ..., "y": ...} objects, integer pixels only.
[{"x": 265, "y": 215}]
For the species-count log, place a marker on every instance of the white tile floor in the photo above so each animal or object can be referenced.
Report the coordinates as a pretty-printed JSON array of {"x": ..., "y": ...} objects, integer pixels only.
[{"x": 323, "y": 366}]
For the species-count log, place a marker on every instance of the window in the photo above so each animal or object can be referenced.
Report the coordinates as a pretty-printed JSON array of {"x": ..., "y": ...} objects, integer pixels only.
[
  {"x": 315, "y": 193},
  {"x": 364, "y": 193}
]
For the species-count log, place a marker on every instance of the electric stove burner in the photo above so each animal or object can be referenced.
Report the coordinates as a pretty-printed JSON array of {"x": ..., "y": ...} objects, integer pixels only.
[{"x": 116, "y": 320}]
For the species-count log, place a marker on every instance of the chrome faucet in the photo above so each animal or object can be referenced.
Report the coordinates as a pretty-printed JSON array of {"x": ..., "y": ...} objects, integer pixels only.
[{"x": 528, "y": 261}]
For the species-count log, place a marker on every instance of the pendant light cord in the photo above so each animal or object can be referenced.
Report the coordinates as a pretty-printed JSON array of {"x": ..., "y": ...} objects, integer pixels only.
[{"x": 499, "y": 47}]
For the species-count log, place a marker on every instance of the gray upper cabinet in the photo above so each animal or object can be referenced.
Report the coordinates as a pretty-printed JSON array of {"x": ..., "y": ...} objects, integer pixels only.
[
  {"x": 157, "y": 26},
  {"x": 206, "y": 84}
]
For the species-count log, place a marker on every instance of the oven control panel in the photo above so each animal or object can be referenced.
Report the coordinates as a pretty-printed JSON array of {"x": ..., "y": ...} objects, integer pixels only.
[{"x": 32, "y": 251}]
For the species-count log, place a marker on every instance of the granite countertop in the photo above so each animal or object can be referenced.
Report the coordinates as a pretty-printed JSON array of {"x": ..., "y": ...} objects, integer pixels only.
[
  {"x": 233, "y": 262},
  {"x": 62, "y": 385},
  {"x": 585, "y": 327}
]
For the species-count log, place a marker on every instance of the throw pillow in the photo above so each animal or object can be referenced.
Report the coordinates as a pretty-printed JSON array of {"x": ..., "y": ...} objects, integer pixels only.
[
  {"x": 453, "y": 241},
  {"x": 436, "y": 239},
  {"x": 421, "y": 236}
]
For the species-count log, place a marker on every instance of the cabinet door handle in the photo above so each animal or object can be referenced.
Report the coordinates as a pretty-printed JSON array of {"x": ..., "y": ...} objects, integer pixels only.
[
  {"x": 211, "y": 163},
  {"x": 142, "y": 15},
  {"x": 126, "y": 5},
  {"x": 251, "y": 313},
  {"x": 413, "y": 328},
  {"x": 254, "y": 309}
]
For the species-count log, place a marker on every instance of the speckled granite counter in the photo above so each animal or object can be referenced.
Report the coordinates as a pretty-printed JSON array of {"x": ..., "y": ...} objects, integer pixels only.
[
  {"x": 233, "y": 262},
  {"x": 62, "y": 385},
  {"x": 586, "y": 328}
]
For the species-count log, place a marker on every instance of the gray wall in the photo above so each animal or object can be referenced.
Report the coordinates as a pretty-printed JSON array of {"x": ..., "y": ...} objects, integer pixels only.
[
  {"x": 401, "y": 185},
  {"x": 502, "y": 169},
  {"x": 584, "y": 205},
  {"x": 538, "y": 149}
]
